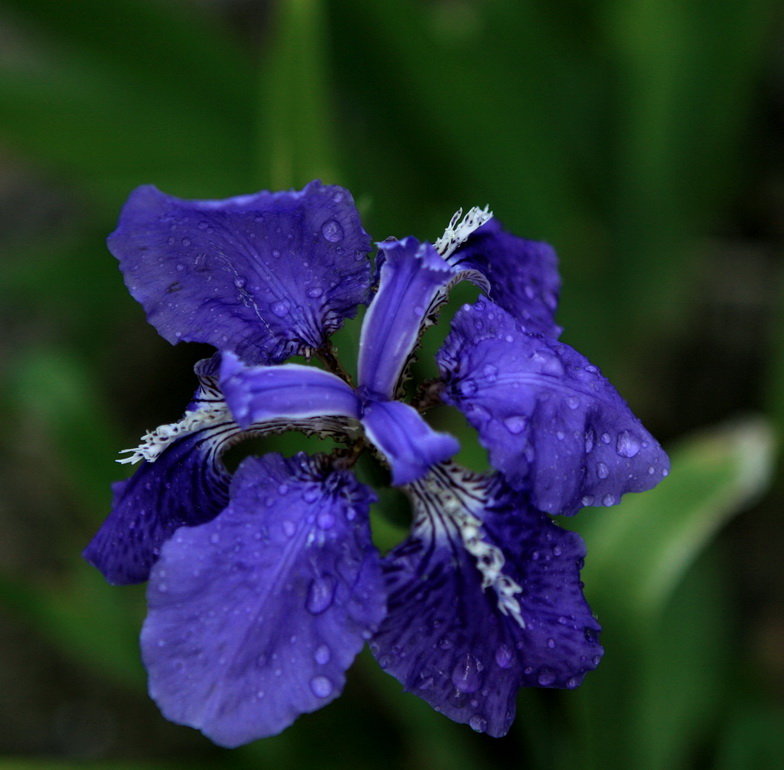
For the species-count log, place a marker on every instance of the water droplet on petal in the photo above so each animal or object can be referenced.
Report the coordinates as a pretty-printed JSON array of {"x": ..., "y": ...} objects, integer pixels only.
[
  {"x": 468, "y": 387},
  {"x": 466, "y": 675},
  {"x": 322, "y": 654},
  {"x": 516, "y": 423},
  {"x": 545, "y": 677},
  {"x": 321, "y": 686},
  {"x": 503, "y": 656},
  {"x": 491, "y": 372},
  {"x": 320, "y": 595},
  {"x": 608, "y": 500},
  {"x": 315, "y": 292},
  {"x": 311, "y": 494},
  {"x": 477, "y": 723},
  {"x": 325, "y": 520},
  {"x": 627, "y": 445},
  {"x": 288, "y": 528},
  {"x": 280, "y": 308},
  {"x": 602, "y": 471},
  {"x": 332, "y": 231}
]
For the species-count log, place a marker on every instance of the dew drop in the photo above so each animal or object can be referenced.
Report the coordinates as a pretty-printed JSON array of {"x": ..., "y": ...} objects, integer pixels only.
[
  {"x": 627, "y": 445},
  {"x": 477, "y": 723},
  {"x": 325, "y": 520},
  {"x": 587, "y": 500},
  {"x": 315, "y": 292},
  {"x": 516, "y": 423},
  {"x": 545, "y": 677},
  {"x": 608, "y": 500},
  {"x": 491, "y": 372},
  {"x": 311, "y": 494},
  {"x": 186, "y": 242},
  {"x": 466, "y": 675},
  {"x": 468, "y": 387},
  {"x": 503, "y": 656},
  {"x": 280, "y": 308},
  {"x": 602, "y": 471},
  {"x": 288, "y": 528},
  {"x": 320, "y": 595},
  {"x": 332, "y": 231},
  {"x": 322, "y": 654},
  {"x": 573, "y": 402},
  {"x": 240, "y": 282}
]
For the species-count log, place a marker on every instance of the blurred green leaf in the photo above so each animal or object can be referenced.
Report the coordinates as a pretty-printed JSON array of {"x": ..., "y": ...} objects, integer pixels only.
[
  {"x": 640, "y": 550},
  {"x": 295, "y": 123}
]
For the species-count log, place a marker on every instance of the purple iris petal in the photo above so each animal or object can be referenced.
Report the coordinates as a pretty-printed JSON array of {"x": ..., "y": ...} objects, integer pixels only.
[
  {"x": 265, "y": 276},
  {"x": 411, "y": 276},
  {"x": 186, "y": 485},
  {"x": 447, "y": 639},
  {"x": 523, "y": 275},
  {"x": 291, "y": 391},
  {"x": 409, "y": 444},
  {"x": 547, "y": 416},
  {"x": 255, "y": 617}
]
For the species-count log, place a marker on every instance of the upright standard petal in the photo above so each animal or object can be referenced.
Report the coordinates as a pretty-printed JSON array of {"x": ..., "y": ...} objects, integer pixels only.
[
  {"x": 484, "y": 598},
  {"x": 412, "y": 277},
  {"x": 287, "y": 391},
  {"x": 550, "y": 421},
  {"x": 523, "y": 275},
  {"x": 408, "y": 443},
  {"x": 255, "y": 617},
  {"x": 265, "y": 276}
]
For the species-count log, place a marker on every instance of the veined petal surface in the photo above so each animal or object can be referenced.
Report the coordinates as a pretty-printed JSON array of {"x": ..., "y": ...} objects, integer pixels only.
[
  {"x": 411, "y": 277},
  {"x": 447, "y": 636},
  {"x": 548, "y": 418},
  {"x": 255, "y": 617},
  {"x": 266, "y": 275},
  {"x": 523, "y": 274}
]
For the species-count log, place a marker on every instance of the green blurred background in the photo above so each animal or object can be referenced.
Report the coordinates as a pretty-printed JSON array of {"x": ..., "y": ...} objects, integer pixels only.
[{"x": 643, "y": 139}]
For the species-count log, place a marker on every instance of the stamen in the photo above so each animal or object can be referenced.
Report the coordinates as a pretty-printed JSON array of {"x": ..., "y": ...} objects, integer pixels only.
[
  {"x": 457, "y": 232},
  {"x": 155, "y": 441}
]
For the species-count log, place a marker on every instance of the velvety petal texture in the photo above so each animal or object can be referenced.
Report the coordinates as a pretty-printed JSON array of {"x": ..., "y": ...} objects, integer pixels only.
[
  {"x": 186, "y": 485},
  {"x": 447, "y": 638},
  {"x": 255, "y": 617},
  {"x": 408, "y": 443},
  {"x": 411, "y": 278},
  {"x": 548, "y": 418},
  {"x": 265, "y": 276},
  {"x": 259, "y": 393},
  {"x": 523, "y": 275}
]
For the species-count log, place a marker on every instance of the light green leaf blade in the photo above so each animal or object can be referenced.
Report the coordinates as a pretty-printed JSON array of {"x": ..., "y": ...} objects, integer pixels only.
[{"x": 639, "y": 551}]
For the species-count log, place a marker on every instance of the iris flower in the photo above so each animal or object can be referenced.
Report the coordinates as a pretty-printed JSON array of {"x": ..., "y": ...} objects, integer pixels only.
[{"x": 265, "y": 583}]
